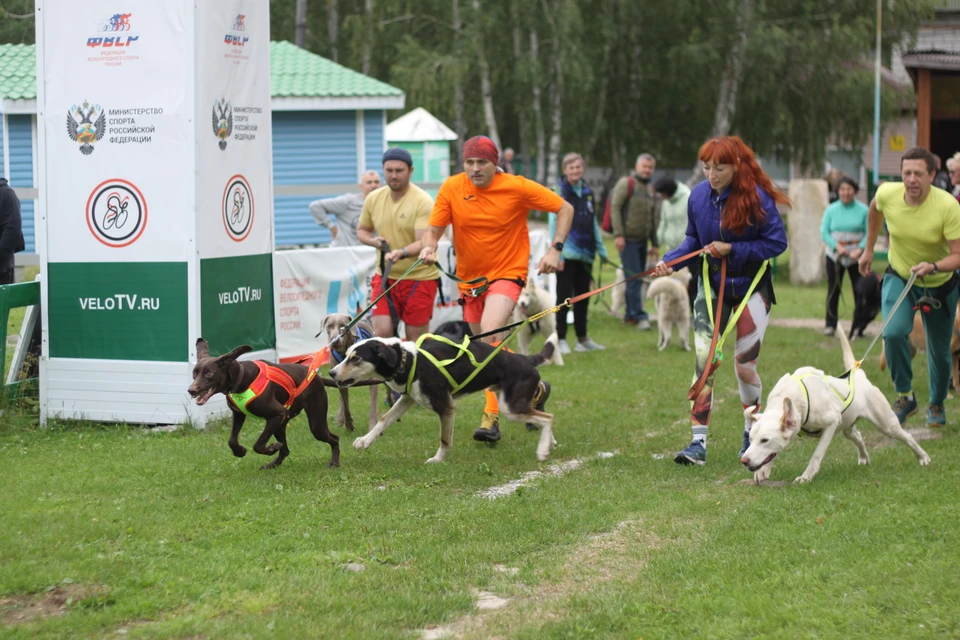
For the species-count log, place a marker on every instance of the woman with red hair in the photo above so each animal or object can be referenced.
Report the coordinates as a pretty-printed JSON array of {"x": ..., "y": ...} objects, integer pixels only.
[{"x": 734, "y": 214}]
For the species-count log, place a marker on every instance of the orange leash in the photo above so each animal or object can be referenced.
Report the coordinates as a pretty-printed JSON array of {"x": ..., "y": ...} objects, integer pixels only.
[
  {"x": 588, "y": 294},
  {"x": 712, "y": 365}
]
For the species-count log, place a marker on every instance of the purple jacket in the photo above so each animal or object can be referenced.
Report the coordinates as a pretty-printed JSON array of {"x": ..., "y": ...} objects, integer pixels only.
[{"x": 749, "y": 248}]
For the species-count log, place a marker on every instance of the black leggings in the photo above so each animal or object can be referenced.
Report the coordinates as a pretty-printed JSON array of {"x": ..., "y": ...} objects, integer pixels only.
[
  {"x": 572, "y": 281},
  {"x": 834, "y": 284}
]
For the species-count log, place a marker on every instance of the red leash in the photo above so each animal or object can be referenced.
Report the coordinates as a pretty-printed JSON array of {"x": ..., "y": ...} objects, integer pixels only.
[{"x": 711, "y": 364}]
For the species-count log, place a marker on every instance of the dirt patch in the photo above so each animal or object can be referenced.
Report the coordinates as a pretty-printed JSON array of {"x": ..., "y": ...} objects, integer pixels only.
[
  {"x": 602, "y": 557},
  {"x": 17, "y": 610}
]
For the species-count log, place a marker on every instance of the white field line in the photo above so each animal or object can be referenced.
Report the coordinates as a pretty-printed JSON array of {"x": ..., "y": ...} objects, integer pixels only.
[{"x": 554, "y": 470}]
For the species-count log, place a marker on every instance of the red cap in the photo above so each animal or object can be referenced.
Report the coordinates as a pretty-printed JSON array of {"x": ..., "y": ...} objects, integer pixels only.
[{"x": 481, "y": 147}]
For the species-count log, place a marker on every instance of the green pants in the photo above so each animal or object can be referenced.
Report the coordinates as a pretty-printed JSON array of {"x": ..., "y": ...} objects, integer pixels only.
[{"x": 938, "y": 324}]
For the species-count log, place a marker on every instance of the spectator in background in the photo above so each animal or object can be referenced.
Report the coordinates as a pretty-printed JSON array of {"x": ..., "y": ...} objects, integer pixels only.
[
  {"x": 635, "y": 233},
  {"x": 673, "y": 222},
  {"x": 833, "y": 183},
  {"x": 341, "y": 214},
  {"x": 844, "y": 231},
  {"x": 942, "y": 178},
  {"x": 584, "y": 243},
  {"x": 506, "y": 162},
  {"x": 953, "y": 165},
  {"x": 11, "y": 231}
]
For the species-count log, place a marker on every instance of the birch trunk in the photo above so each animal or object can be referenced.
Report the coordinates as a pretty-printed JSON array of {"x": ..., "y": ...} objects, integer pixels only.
[
  {"x": 367, "y": 43},
  {"x": 459, "y": 122},
  {"x": 300, "y": 24},
  {"x": 333, "y": 28},
  {"x": 556, "y": 101},
  {"x": 523, "y": 119},
  {"x": 486, "y": 91},
  {"x": 537, "y": 111},
  {"x": 729, "y": 82}
]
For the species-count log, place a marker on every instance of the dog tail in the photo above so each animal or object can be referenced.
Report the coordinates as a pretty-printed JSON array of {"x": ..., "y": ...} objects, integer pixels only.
[
  {"x": 549, "y": 353},
  {"x": 848, "y": 358}
]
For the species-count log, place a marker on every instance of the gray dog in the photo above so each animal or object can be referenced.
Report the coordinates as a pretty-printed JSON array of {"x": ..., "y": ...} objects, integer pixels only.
[{"x": 339, "y": 342}]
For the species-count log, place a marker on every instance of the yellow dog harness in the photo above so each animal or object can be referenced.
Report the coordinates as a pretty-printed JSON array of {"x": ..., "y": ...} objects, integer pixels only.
[{"x": 806, "y": 396}]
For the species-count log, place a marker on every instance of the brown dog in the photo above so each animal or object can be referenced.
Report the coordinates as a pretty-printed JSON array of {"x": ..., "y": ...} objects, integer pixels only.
[
  {"x": 339, "y": 342},
  {"x": 263, "y": 390}
]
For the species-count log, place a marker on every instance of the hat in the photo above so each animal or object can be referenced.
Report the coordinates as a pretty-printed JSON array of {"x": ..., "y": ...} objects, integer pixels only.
[
  {"x": 396, "y": 153},
  {"x": 481, "y": 147}
]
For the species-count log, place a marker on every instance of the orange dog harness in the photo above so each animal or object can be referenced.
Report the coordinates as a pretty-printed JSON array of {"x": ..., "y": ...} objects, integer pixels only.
[{"x": 269, "y": 373}]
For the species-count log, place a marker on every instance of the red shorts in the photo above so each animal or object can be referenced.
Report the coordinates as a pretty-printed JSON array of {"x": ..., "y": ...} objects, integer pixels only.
[
  {"x": 413, "y": 299},
  {"x": 473, "y": 306}
]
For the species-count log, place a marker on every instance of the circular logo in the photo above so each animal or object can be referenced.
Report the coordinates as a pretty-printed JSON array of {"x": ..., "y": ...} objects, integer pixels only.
[
  {"x": 238, "y": 208},
  {"x": 116, "y": 213}
]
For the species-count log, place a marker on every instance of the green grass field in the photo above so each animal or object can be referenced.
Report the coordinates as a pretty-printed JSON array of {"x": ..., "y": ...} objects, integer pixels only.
[{"x": 113, "y": 531}]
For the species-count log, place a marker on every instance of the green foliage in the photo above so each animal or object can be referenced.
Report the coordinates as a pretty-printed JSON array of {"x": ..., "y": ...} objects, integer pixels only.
[{"x": 637, "y": 75}]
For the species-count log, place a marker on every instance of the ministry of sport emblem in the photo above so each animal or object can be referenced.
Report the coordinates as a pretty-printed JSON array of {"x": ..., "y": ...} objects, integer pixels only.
[
  {"x": 222, "y": 121},
  {"x": 238, "y": 208},
  {"x": 116, "y": 213},
  {"x": 86, "y": 124}
]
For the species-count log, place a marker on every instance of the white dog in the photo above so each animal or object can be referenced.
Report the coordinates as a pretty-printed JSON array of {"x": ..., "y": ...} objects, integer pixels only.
[
  {"x": 534, "y": 299},
  {"x": 618, "y": 294},
  {"x": 810, "y": 401},
  {"x": 673, "y": 307}
]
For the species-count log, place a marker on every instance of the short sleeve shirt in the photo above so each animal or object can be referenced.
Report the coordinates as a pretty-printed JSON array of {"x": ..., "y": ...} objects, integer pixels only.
[
  {"x": 919, "y": 233},
  {"x": 398, "y": 223},
  {"x": 490, "y": 234}
]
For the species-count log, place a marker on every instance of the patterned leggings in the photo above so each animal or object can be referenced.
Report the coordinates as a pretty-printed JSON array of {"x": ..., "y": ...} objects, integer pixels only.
[{"x": 750, "y": 329}]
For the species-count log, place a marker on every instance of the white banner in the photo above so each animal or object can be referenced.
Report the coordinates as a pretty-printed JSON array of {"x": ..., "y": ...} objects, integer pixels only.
[
  {"x": 312, "y": 283},
  {"x": 235, "y": 192},
  {"x": 117, "y": 125}
]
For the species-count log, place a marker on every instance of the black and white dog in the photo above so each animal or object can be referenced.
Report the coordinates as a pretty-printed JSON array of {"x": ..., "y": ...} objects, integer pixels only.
[{"x": 515, "y": 376}]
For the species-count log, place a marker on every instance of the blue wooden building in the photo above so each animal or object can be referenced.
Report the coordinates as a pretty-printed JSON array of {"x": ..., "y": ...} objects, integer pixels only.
[{"x": 328, "y": 128}]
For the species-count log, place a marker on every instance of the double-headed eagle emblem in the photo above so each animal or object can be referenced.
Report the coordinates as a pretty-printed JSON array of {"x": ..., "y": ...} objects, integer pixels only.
[
  {"x": 222, "y": 121},
  {"x": 86, "y": 124}
]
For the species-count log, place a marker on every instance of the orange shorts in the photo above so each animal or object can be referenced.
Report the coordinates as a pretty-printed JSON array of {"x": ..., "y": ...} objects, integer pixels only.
[
  {"x": 413, "y": 299},
  {"x": 473, "y": 306}
]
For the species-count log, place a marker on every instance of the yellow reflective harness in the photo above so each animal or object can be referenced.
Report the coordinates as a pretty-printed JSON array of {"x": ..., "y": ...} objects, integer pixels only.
[
  {"x": 806, "y": 396},
  {"x": 462, "y": 348},
  {"x": 732, "y": 322}
]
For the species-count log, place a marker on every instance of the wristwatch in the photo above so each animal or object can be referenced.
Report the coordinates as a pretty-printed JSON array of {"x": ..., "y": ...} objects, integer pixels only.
[
  {"x": 936, "y": 269},
  {"x": 558, "y": 246}
]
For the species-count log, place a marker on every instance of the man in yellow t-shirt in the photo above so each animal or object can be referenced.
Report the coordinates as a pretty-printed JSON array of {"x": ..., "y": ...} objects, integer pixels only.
[
  {"x": 398, "y": 214},
  {"x": 924, "y": 226}
]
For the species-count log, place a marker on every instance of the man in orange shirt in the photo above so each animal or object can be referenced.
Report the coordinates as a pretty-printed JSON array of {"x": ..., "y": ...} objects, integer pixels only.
[{"x": 488, "y": 210}]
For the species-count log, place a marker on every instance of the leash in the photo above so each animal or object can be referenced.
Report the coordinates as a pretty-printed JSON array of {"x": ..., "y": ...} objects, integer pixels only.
[
  {"x": 715, "y": 356},
  {"x": 357, "y": 318},
  {"x": 583, "y": 296},
  {"x": 883, "y": 325},
  {"x": 712, "y": 363}
]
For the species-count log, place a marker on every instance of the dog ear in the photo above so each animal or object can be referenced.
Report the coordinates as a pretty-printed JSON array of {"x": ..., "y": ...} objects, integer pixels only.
[
  {"x": 788, "y": 422},
  {"x": 233, "y": 355},
  {"x": 387, "y": 354},
  {"x": 752, "y": 413},
  {"x": 203, "y": 349},
  {"x": 323, "y": 325}
]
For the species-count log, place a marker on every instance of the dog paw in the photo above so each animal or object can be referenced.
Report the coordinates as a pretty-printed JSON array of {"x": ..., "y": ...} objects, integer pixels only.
[
  {"x": 686, "y": 347},
  {"x": 761, "y": 476},
  {"x": 361, "y": 443},
  {"x": 348, "y": 425},
  {"x": 861, "y": 460},
  {"x": 802, "y": 480},
  {"x": 924, "y": 461},
  {"x": 239, "y": 451},
  {"x": 434, "y": 460}
]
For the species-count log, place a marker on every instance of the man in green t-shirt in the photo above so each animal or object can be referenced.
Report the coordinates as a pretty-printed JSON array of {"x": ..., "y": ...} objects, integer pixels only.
[{"x": 924, "y": 226}]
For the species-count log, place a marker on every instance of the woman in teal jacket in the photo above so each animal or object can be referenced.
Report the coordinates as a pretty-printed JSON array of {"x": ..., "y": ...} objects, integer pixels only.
[{"x": 844, "y": 231}]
